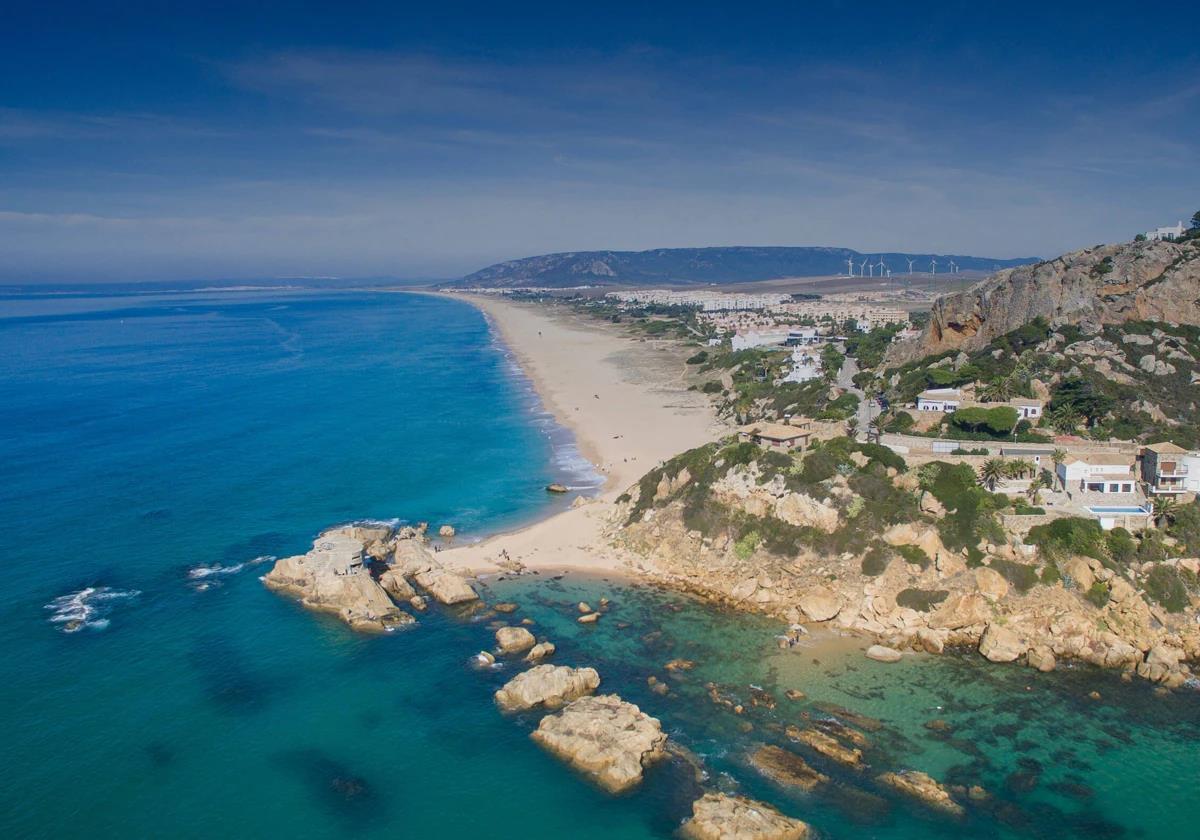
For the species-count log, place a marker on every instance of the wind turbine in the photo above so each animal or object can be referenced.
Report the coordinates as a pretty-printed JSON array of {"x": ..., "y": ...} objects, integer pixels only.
[
  {"x": 850, "y": 266},
  {"x": 953, "y": 267},
  {"x": 910, "y": 265},
  {"x": 862, "y": 266},
  {"x": 882, "y": 266},
  {"x": 871, "y": 269},
  {"x": 933, "y": 265}
]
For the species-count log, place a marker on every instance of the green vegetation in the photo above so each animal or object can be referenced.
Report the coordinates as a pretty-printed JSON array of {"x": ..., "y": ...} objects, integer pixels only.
[
  {"x": 1166, "y": 587},
  {"x": 914, "y": 554},
  {"x": 875, "y": 561},
  {"x": 970, "y": 517},
  {"x": 1020, "y": 575},
  {"x": 712, "y": 387},
  {"x": 869, "y": 348},
  {"x": 996, "y": 422},
  {"x": 699, "y": 358},
  {"x": 1064, "y": 537},
  {"x": 921, "y": 600},
  {"x": 1098, "y": 593}
]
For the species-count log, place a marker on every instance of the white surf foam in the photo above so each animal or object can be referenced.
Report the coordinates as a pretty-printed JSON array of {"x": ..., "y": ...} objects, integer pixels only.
[{"x": 88, "y": 608}]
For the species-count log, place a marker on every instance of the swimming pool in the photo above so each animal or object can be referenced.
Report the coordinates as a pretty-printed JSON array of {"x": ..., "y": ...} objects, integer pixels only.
[{"x": 1128, "y": 510}]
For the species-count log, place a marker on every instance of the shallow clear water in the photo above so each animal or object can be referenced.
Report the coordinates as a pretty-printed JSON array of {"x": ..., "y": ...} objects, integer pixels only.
[{"x": 144, "y": 438}]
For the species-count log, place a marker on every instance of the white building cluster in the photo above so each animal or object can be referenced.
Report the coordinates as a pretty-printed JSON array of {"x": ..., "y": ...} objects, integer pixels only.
[{"x": 1172, "y": 232}]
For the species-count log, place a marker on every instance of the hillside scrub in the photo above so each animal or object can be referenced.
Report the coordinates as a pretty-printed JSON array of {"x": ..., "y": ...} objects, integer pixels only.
[{"x": 971, "y": 517}]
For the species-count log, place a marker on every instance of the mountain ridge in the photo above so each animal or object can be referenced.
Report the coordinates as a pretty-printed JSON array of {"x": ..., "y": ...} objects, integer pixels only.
[{"x": 691, "y": 266}]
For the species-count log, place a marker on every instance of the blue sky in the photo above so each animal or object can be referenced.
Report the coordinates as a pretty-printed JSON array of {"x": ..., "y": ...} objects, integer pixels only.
[{"x": 140, "y": 141}]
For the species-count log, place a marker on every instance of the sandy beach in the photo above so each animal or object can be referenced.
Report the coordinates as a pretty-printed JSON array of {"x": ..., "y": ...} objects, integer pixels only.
[{"x": 627, "y": 404}]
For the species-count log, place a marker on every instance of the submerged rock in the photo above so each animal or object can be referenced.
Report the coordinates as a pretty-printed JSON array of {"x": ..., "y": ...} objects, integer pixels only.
[
  {"x": 924, "y": 788},
  {"x": 546, "y": 685},
  {"x": 333, "y": 578},
  {"x": 608, "y": 739},
  {"x": 719, "y": 816},
  {"x": 786, "y": 768},
  {"x": 827, "y": 746},
  {"x": 514, "y": 639}
]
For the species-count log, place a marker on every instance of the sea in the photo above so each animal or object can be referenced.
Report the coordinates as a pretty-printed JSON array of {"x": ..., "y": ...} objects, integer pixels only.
[{"x": 159, "y": 447}]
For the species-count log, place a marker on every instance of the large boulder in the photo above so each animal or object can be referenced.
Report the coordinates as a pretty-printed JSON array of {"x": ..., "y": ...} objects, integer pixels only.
[
  {"x": 925, "y": 789},
  {"x": 828, "y": 746},
  {"x": 333, "y": 578},
  {"x": 805, "y": 511},
  {"x": 604, "y": 737},
  {"x": 999, "y": 644},
  {"x": 411, "y": 556},
  {"x": 445, "y": 586},
  {"x": 1079, "y": 571},
  {"x": 546, "y": 685},
  {"x": 960, "y": 611},
  {"x": 719, "y": 816},
  {"x": 990, "y": 583},
  {"x": 820, "y": 603},
  {"x": 514, "y": 639},
  {"x": 396, "y": 585},
  {"x": 880, "y": 653}
]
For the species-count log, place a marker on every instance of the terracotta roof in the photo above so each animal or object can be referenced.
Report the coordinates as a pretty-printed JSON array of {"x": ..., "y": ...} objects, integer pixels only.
[{"x": 1166, "y": 448}]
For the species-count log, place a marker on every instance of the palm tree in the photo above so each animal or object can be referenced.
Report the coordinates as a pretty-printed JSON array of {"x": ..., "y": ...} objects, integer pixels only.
[
  {"x": 1059, "y": 457},
  {"x": 991, "y": 471},
  {"x": 1035, "y": 490},
  {"x": 852, "y": 428},
  {"x": 1017, "y": 468},
  {"x": 998, "y": 390},
  {"x": 1165, "y": 511},
  {"x": 1064, "y": 420},
  {"x": 875, "y": 428}
]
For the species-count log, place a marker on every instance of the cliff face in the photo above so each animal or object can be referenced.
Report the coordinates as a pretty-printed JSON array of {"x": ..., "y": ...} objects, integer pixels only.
[{"x": 1109, "y": 284}]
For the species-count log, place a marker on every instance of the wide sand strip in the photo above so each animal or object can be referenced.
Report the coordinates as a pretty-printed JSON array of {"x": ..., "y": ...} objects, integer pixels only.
[{"x": 628, "y": 406}]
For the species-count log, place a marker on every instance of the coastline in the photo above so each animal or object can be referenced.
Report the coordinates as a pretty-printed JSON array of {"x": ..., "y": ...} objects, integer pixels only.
[{"x": 624, "y": 402}]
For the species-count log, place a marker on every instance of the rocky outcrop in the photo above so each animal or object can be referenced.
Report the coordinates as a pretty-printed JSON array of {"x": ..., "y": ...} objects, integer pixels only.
[
  {"x": 604, "y": 737},
  {"x": 333, "y": 577},
  {"x": 1109, "y": 284},
  {"x": 445, "y": 586},
  {"x": 820, "y": 604},
  {"x": 999, "y": 644},
  {"x": 925, "y": 789},
  {"x": 546, "y": 685},
  {"x": 540, "y": 651},
  {"x": 829, "y": 747},
  {"x": 719, "y": 816}
]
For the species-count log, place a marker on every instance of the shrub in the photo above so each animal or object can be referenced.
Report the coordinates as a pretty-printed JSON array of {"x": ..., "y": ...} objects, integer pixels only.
[
  {"x": 883, "y": 455},
  {"x": 712, "y": 387},
  {"x": 1098, "y": 594},
  {"x": 1069, "y": 535},
  {"x": 999, "y": 421},
  {"x": 1021, "y": 575},
  {"x": 1122, "y": 547},
  {"x": 1050, "y": 574},
  {"x": 698, "y": 359},
  {"x": 745, "y": 545},
  {"x": 914, "y": 554},
  {"x": 875, "y": 561},
  {"x": 901, "y": 423},
  {"x": 1166, "y": 587},
  {"x": 921, "y": 600}
]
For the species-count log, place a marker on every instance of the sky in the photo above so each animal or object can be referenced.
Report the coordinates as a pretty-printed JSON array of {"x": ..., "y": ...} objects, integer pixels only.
[{"x": 173, "y": 141}]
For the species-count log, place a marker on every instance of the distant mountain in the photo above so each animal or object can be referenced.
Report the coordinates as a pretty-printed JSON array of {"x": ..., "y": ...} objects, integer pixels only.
[{"x": 684, "y": 266}]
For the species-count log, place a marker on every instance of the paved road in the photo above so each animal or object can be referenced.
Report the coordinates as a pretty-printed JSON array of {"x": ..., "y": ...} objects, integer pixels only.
[{"x": 868, "y": 410}]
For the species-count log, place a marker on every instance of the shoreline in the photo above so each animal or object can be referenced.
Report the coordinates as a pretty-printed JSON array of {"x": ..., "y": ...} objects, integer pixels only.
[{"x": 623, "y": 402}]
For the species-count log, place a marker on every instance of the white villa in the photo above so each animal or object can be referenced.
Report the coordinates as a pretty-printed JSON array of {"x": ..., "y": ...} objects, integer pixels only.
[
  {"x": 939, "y": 399},
  {"x": 1173, "y": 232},
  {"x": 805, "y": 366},
  {"x": 1027, "y": 409},
  {"x": 1098, "y": 473},
  {"x": 753, "y": 338}
]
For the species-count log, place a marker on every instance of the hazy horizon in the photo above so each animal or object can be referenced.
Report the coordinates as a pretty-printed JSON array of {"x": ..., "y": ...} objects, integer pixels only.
[{"x": 284, "y": 141}]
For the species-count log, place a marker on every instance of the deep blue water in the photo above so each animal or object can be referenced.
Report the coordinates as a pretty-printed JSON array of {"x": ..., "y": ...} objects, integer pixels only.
[{"x": 144, "y": 437}]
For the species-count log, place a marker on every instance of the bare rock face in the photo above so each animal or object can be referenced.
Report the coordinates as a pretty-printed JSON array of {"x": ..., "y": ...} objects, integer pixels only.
[
  {"x": 960, "y": 611},
  {"x": 396, "y": 585},
  {"x": 1041, "y": 658},
  {"x": 719, "y": 816},
  {"x": 820, "y": 603},
  {"x": 925, "y": 789},
  {"x": 802, "y": 510},
  {"x": 546, "y": 685},
  {"x": 999, "y": 644},
  {"x": 445, "y": 586},
  {"x": 514, "y": 639},
  {"x": 333, "y": 578},
  {"x": 604, "y": 737},
  {"x": 1110, "y": 284}
]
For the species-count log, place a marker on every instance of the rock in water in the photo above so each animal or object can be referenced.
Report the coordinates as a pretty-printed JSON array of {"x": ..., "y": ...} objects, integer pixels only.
[
  {"x": 396, "y": 585},
  {"x": 719, "y": 816},
  {"x": 445, "y": 586},
  {"x": 925, "y": 789},
  {"x": 785, "y": 768},
  {"x": 546, "y": 685},
  {"x": 514, "y": 639},
  {"x": 604, "y": 737},
  {"x": 446, "y": 531},
  {"x": 881, "y": 653},
  {"x": 540, "y": 651},
  {"x": 556, "y": 488},
  {"x": 333, "y": 578}
]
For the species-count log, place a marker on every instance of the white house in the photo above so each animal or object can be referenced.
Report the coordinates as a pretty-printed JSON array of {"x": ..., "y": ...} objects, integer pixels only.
[
  {"x": 939, "y": 399},
  {"x": 1098, "y": 473},
  {"x": 1166, "y": 232},
  {"x": 1027, "y": 409},
  {"x": 805, "y": 366},
  {"x": 803, "y": 336},
  {"x": 751, "y": 338}
]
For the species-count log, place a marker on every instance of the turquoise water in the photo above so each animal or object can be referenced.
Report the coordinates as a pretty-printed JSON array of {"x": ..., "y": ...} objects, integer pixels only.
[{"x": 146, "y": 437}]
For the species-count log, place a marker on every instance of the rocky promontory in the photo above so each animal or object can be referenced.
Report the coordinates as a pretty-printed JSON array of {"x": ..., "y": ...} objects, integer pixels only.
[
  {"x": 358, "y": 573},
  {"x": 719, "y": 816},
  {"x": 546, "y": 685}
]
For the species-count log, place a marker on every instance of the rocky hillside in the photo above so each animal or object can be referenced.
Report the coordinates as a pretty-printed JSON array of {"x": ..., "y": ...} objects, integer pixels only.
[
  {"x": 1108, "y": 284},
  {"x": 679, "y": 266},
  {"x": 920, "y": 558}
]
